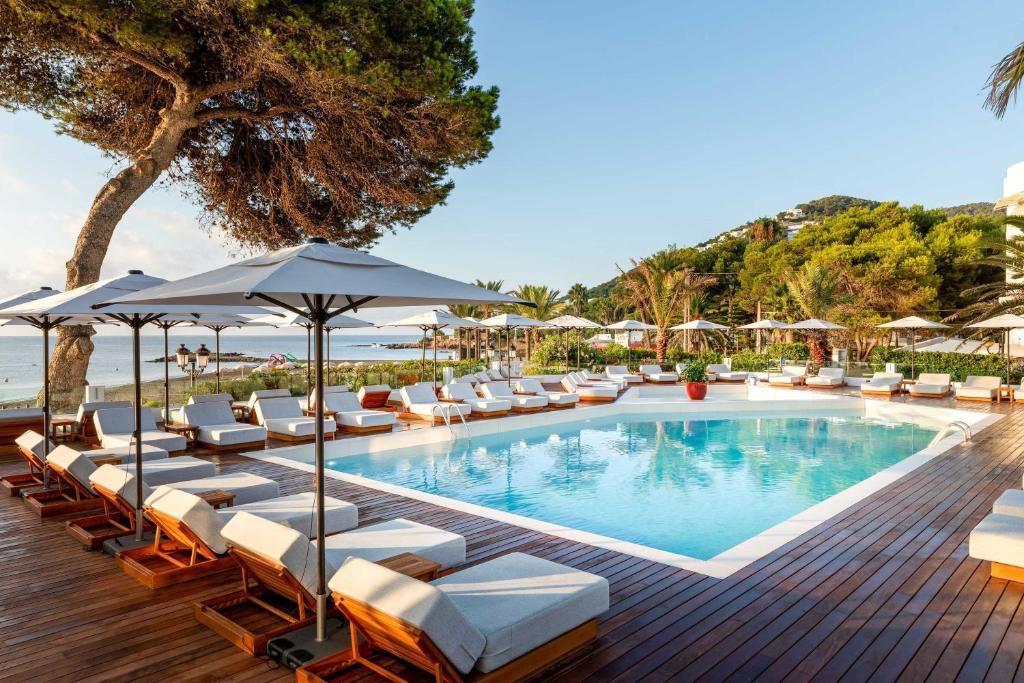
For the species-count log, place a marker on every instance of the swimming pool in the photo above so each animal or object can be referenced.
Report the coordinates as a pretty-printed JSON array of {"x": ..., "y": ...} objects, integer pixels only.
[{"x": 694, "y": 487}]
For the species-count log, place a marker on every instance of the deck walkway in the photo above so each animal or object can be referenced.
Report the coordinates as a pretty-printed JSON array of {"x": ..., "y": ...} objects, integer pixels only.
[{"x": 883, "y": 591}]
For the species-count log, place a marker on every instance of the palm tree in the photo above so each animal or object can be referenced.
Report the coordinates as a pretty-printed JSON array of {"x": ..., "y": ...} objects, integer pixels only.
[
  {"x": 1005, "y": 80},
  {"x": 488, "y": 310},
  {"x": 465, "y": 311},
  {"x": 545, "y": 306},
  {"x": 661, "y": 288},
  {"x": 577, "y": 298},
  {"x": 1003, "y": 296},
  {"x": 816, "y": 291}
]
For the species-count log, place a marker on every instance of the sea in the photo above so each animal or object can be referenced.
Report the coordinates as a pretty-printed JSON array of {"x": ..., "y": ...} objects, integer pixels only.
[{"x": 21, "y": 357}]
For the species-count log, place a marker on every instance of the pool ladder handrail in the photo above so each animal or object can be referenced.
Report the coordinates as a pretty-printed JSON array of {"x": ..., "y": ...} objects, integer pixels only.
[
  {"x": 964, "y": 428},
  {"x": 447, "y": 418}
]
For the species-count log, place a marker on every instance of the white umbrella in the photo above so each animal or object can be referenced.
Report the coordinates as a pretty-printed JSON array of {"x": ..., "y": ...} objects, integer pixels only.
[
  {"x": 434, "y": 320},
  {"x": 629, "y": 326},
  {"x": 763, "y": 324},
  {"x": 573, "y": 322},
  {"x": 320, "y": 281},
  {"x": 80, "y": 304},
  {"x": 509, "y": 322},
  {"x": 1004, "y": 322},
  {"x": 289, "y": 319},
  {"x": 699, "y": 325},
  {"x": 912, "y": 323},
  {"x": 813, "y": 324}
]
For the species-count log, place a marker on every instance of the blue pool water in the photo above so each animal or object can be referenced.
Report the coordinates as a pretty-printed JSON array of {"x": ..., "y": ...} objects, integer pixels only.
[{"x": 695, "y": 487}]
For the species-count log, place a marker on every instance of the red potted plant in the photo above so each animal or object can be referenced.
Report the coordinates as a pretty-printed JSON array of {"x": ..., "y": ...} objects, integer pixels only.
[{"x": 696, "y": 381}]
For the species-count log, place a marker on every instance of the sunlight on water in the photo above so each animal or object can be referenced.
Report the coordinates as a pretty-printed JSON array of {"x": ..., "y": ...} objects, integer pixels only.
[{"x": 694, "y": 487}]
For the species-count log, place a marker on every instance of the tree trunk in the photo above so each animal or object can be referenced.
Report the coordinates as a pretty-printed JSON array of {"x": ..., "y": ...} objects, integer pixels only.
[
  {"x": 74, "y": 347},
  {"x": 661, "y": 344}
]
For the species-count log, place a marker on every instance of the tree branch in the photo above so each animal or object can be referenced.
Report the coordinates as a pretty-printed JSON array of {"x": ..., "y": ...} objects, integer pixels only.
[
  {"x": 228, "y": 86},
  {"x": 220, "y": 113},
  {"x": 140, "y": 59}
]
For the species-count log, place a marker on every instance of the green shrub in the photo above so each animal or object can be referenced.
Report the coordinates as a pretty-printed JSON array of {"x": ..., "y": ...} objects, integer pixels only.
[
  {"x": 551, "y": 351},
  {"x": 789, "y": 350},
  {"x": 749, "y": 361},
  {"x": 694, "y": 372},
  {"x": 957, "y": 365}
]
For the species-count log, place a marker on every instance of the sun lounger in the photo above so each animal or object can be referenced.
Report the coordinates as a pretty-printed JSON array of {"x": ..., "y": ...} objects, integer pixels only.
[
  {"x": 622, "y": 373},
  {"x": 791, "y": 375},
  {"x": 328, "y": 390},
  {"x": 655, "y": 375},
  {"x": 520, "y": 403},
  {"x": 593, "y": 378},
  {"x": 722, "y": 373},
  {"x": 505, "y": 619},
  {"x": 218, "y": 430},
  {"x": 124, "y": 454},
  {"x": 421, "y": 403},
  {"x": 931, "y": 385},
  {"x": 999, "y": 539},
  {"x": 374, "y": 396},
  {"x": 279, "y": 565},
  {"x": 483, "y": 377},
  {"x": 284, "y": 420},
  {"x": 188, "y": 541},
  {"x": 210, "y": 398},
  {"x": 882, "y": 384},
  {"x": 590, "y": 394},
  {"x": 827, "y": 378},
  {"x": 254, "y": 397},
  {"x": 114, "y": 427},
  {"x": 468, "y": 379},
  {"x": 15, "y": 421},
  {"x": 460, "y": 392},
  {"x": 350, "y": 416},
  {"x": 556, "y": 399},
  {"x": 30, "y": 448},
  {"x": 496, "y": 375},
  {"x": 73, "y": 492},
  {"x": 979, "y": 388},
  {"x": 84, "y": 418},
  {"x": 1009, "y": 502}
]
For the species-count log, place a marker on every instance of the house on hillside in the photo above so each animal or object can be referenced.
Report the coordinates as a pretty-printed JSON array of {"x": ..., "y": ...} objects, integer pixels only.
[{"x": 1013, "y": 202}]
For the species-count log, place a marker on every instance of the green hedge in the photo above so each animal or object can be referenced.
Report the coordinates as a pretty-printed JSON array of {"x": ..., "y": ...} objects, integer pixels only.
[
  {"x": 957, "y": 365},
  {"x": 789, "y": 350},
  {"x": 677, "y": 355},
  {"x": 749, "y": 361}
]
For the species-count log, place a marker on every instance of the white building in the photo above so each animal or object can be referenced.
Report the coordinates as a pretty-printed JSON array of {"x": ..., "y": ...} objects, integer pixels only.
[{"x": 1013, "y": 202}]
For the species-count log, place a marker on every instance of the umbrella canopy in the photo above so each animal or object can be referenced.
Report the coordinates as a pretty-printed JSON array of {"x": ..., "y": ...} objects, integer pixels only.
[
  {"x": 573, "y": 322},
  {"x": 912, "y": 323},
  {"x": 433, "y": 320},
  {"x": 320, "y": 281},
  {"x": 813, "y": 324},
  {"x": 1004, "y": 322},
  {"x": 631, "y": 325},
  {"x": 766, "y": 324},
  {"x": 25, "y": 297},
  {"x": 703, "y": 325}
]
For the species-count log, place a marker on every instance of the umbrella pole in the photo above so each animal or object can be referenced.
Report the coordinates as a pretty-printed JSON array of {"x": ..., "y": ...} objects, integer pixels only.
[
  {"x": 423, "y": 354},
  {"x": 136, "y": 325},
  {"x": 433, "y": 369},
  {"x": 327, "y": 332},
  {"x": 46, "y": 401},
  {"x": 216, "y": 335},
  {"x": 508, "y": 355},
  {"x": 579, "y": 333},
  {"x": 913, "y": 353},
  {"x": 321, "y": 571},
  {"x": 309, "y": 358},
  {"x": 167, "y": 376},
  {"x": 1007, "y": 348},
  {"x": 567, "y": 350}
]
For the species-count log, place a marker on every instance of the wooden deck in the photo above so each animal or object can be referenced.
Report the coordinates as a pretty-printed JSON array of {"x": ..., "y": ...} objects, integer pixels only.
[{"x": 883, "y": 591}]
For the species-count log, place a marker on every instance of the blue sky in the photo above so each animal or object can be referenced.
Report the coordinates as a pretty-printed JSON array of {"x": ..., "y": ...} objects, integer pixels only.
[{"x": 625, "y": 127}]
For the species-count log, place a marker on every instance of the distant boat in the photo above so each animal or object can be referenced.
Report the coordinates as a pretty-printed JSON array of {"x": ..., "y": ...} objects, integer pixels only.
[{"x": 376, "y": 345}]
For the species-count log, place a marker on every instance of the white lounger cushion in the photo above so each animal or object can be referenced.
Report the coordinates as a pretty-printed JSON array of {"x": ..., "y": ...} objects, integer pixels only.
[
  {"x": 656, "y": 374},
  {"x": 828, "y": 377},
  {"x": 350, "y": 413},
  {"x": 791, "y": 374},
  {"x": 419, "y": 399},
  {"x": 298, "y": 512},
  {"x": 247, "y": 487},
  {"x": 502, "y": 390},
  {"x": 18, "y": 414},
  {"x": 722, "y": 371},
  {"x": 622, "y": 372},
  {"x": 417, "y": 603},
  {"x": 257, "y": 396},
  {"x": 127, "y": 453},
  {"x": 558, "y": 398},
  {"x": 589, "y": 392},
  {"x": 461, "y": 391},
  {"x": 599, "y": 380},
  {"x": 114, "y": 426},
  {"x": 121, "y": 478},
  {"x": 72, "y": 463},
  {"x": 380, "y": 541},
  {"x": 217, "y": 425},
  {"x": 1009, "y": 502},
  {"x": 979, "y": 387},
  {"x": 210, "y": 398},
  {"x": 284, "y": 416},
  {"x": 85, "y": 409},
  {"x": 883, "y": 382},
  {"x": 519, "y": 602},
  {"x": 194, "y": 512},
  {"x": 33, "y": 441},
  {"x": 372, "y": 389},
  {"x": 999, "y": 538},
  {"x": 931, "y": 384},
  {"x": 328, "y": 391}
]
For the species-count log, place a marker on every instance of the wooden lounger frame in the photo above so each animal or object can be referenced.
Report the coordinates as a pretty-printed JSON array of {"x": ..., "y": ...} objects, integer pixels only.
[
  {"x": 888, "y": 394},
  {"x": 790, "y": 385},
  {"x": 375, "y": 400},
  {"x": 69, "y": 496},
  {"x": 391, "y": 635},
  {"x": 244, "y": 446},
  {"x": 184, "y": 555},
  {"x": 923, "y": 395},
  {"x": 328, "y": 436},
  {"x": 15, "y": 483},
  {"x": 366, "y": 430},
  {"x": 258, "y": 578},
  {"x": 117, "y": 520},
  {"x": 648, "y": 380},
  {"x": 825, "y": 387}
]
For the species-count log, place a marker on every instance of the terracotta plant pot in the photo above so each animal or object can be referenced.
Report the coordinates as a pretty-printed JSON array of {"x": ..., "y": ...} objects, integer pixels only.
[{"x": 696, "y": 390}]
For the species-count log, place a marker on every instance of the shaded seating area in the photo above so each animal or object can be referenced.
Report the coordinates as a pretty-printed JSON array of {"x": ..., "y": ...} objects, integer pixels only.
[
  {"x": 556, "y": 399},
  {"x": 827, "y": 378},
  {"x": 284, "y": 420},
  {"x": 351, "y": 417},
  {"x": 622, "y": 374},
  {"x": 979, "y": 388},
  {"x": 461, "y": 392},
  {"x": 504, "y": 619},
  {"x": 883, "y": 384},
  {"x": 84, "y": 417},
  {"x": 419, "y": 402},
  {"x": 655, "y": 375},
  {"x": 521, "y": 403},
  {"x": 791, "y": 375},
  {"x": 931, "y": 385},
  {"x": 596, "y": 393},
  {"x": 722, "y": 373},
  {"x": 218, "y": 429},
  {"x": 30, "y": 448}
]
